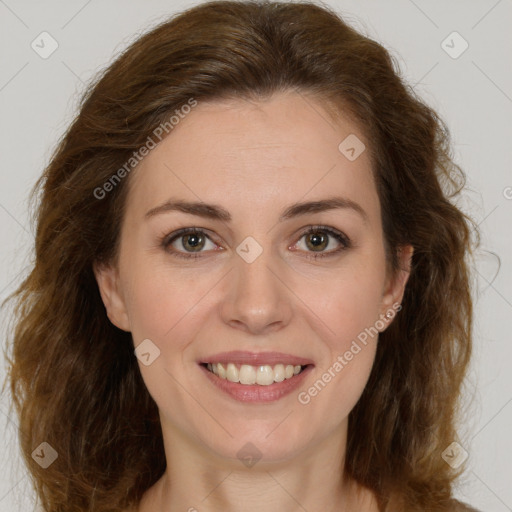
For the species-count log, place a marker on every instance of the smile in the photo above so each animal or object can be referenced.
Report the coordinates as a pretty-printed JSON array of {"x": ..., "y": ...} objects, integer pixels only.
[
  {"x": 262, "y": 375},
  {"x": 255, "y": 377}
]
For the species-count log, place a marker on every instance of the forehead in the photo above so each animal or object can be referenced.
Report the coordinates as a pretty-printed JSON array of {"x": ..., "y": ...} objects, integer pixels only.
[{"x": 258, "y": 155}]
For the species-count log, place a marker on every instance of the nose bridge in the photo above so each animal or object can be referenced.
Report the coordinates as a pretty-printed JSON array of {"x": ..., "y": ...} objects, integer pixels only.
[{"x": 257, "y": 299}]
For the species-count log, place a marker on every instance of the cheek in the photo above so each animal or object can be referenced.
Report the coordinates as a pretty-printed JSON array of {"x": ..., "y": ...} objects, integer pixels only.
[
  {"x": 349, "y": 313},
  {"x": 349, "y": 306},
  {"x": 161, "y": 302},
  {"x": 165, "y": 308},
  {"x": 349, "y": 301}
]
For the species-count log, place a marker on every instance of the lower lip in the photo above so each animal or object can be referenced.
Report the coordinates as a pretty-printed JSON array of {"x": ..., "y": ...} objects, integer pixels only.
[{"x": 256, "y": 393}]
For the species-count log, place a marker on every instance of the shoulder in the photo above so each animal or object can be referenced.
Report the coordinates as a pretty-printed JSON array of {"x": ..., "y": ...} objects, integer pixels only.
[{"x": 459, "y": 506}]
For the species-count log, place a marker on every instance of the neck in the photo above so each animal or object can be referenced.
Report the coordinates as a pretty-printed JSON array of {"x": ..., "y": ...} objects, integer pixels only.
[{"x": 197, "y": 480}]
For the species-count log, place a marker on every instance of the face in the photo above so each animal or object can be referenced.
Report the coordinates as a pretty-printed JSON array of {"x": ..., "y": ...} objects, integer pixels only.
[{"x": 258, "y": 274}]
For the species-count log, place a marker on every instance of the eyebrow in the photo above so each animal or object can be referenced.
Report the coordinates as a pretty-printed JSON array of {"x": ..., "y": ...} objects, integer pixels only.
[{"x": 216, "y": 212}]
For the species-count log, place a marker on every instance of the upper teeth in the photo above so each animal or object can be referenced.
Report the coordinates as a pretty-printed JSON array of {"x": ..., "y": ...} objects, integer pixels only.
[{"x": 247, "y": 374}]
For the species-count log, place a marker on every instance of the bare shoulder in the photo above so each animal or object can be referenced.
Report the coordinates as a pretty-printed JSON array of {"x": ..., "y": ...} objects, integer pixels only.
[{"x": 459, "y": 506}]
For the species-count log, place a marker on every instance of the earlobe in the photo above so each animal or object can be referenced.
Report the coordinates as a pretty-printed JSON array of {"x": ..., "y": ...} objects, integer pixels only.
[{"x": 107, "y": 278}]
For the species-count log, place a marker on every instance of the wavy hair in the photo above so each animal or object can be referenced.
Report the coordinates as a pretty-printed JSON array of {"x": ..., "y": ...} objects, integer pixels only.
[{"x": 73, "y": 375}]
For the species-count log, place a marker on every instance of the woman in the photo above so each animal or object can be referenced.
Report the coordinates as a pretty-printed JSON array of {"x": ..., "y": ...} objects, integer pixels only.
[{"x": 250, "y": 289}]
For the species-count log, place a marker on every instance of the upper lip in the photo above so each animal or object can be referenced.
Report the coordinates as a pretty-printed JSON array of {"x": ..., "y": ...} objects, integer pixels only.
[{"x": 257, "y": 358}]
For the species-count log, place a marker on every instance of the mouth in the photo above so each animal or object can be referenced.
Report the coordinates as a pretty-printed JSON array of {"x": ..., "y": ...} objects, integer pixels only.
[{"x": 253, "y": 377}]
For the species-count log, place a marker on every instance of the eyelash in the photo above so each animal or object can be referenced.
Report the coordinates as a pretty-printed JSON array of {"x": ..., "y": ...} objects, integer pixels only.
[{"x": 345, "y": 242}]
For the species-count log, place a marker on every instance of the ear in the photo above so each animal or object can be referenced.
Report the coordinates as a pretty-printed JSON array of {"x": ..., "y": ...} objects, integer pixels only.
[
  {"x": 395, "y": 285},
  {"x": 107, "y": 277}
]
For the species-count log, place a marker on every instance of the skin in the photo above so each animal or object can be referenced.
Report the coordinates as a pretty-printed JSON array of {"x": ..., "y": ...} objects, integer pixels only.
[{"x": 254, "y": 160}]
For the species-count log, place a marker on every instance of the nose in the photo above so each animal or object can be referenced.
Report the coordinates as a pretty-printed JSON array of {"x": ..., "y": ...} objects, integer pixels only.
[{"x": 257, "y": 301}]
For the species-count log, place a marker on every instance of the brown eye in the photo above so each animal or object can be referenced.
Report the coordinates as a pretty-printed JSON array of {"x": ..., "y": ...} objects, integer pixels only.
[
  {"x": 317, "y": 241},
  {"x": 322, "y": 242}
]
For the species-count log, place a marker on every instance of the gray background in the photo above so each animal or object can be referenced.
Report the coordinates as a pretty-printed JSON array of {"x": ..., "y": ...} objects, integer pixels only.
[{"x": 472, "y": 92}]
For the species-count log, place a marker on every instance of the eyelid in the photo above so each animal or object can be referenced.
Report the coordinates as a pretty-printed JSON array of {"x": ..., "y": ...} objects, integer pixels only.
[{"x": 343, "y": 239}]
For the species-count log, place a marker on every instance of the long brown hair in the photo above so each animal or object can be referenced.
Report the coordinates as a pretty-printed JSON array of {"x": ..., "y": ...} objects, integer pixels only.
[{"x": 73, "y": 376}]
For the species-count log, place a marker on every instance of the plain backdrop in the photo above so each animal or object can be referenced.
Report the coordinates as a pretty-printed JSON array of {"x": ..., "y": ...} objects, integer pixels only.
[{"x": 470, "y": 87}]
